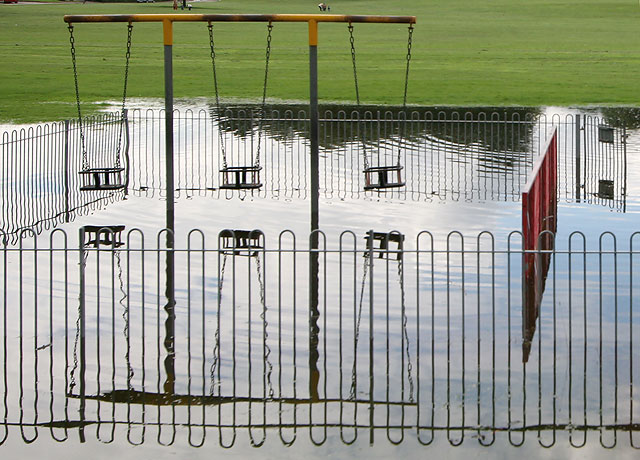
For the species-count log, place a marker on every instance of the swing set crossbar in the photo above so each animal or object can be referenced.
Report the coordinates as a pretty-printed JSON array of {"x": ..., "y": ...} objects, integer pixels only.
[
  {"x": 169, "y": 19},
  {"x": 239, "y": 18}
]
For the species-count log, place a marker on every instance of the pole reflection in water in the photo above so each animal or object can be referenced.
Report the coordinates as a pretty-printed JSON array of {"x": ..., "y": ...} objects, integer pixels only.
[{"x": 419, "y": 339}]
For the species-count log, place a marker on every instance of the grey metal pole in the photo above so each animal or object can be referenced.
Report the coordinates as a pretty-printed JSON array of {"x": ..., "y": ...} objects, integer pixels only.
[
  {"x": 624, "y": 165},
  {"x": 67, "y": 218},
  {"x": 169, "y": 340},
  {"x": 578, "y": 172},
  {"x": 371, "y": 349},
  {"x": 168, "y": 107},
  {"x": 314, "y": 133},
  {"x": 314, "y": 313},
  {"x": 82, "y": 334}
]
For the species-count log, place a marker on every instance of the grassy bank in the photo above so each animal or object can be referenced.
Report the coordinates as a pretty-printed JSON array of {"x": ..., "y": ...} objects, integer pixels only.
[{"x": 466, "y": 52}]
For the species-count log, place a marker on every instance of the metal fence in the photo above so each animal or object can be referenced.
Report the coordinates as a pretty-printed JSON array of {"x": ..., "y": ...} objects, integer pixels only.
[
  {"x": 417, "y": 337},
  {"x": 40, "y": 182},
  {"x": 445, "y": 155}
]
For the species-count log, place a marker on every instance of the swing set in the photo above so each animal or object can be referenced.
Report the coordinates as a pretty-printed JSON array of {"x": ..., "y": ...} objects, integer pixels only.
[
  {"x": 101, "y": 178},
  {"x": 236, "y": 176},
  {"x": 243, "y": 242}
]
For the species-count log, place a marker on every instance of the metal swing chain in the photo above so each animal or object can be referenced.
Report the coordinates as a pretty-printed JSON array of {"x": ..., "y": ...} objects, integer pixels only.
[
  {"x": 353, "y": 60},
  {"x": 352, "y": 392},
  {"x": 264, "y": 91},
  {"x": 355, "y": 79},
  {"x": 72, "y": 377},
  {"x": 406, "y": 80},
  {"x": 225, "y": 165},
  {"x": 126, "y": 318},
  {"x": 404, "y": 326},
  {"x": 406, "y": 76},
  {"x": 85, "y": 161},
  {"x": 263, "y": 317},
  {"x": 124, "y": 93},
  {"x": 216, "y": 346}
]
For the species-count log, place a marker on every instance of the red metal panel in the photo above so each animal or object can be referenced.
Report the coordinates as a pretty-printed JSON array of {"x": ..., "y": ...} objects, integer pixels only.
[{"x": 539, "y": 209}]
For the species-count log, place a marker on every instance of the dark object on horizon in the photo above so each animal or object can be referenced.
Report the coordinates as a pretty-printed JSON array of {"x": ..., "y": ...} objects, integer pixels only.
[
  {"x": 605, "y": 134},
  {"x": 605, "y": 189}
]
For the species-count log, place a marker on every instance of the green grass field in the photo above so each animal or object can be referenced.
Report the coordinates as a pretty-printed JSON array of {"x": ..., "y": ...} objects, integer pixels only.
[{"x": 465, "y": 52}]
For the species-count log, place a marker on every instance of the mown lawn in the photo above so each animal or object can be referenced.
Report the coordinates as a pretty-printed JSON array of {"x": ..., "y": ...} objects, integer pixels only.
[{"x": 465, "y": 52}]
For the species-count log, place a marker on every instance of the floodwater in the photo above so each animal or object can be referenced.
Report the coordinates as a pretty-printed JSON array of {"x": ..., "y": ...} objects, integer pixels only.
[{"x": 464, "y": 191}]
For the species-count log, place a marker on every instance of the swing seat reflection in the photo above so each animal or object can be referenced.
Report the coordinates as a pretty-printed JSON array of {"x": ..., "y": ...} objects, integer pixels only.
[
  {"x": 240, "y": 177},
  {"x": 381, "y": 177},
  {"x": 101, "y": 179}
]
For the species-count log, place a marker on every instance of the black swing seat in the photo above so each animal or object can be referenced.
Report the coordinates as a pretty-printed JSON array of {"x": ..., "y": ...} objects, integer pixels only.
[
  {"x": 106, "y": 235},
  {"x": 241, "y": 242},
  {"x": 241, "y": 177},
  {"x": 382, "y": 177},
  {"x": 385, "y": 240},
  {"x": 101, "y": 179}
]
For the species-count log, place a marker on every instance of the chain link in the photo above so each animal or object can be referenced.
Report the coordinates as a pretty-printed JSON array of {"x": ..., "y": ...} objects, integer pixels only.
[
  {"x": 406, "y": 86},
  {"x": 225, "y": 164},
  {"x": 216, "y": 346},
  {"x": 406, "y": 77},
  {"x": 353, "y": 60},
  {"x": 125, "y": 316},
  {"x": 263, "y": 317},
  {"x": 72, "y": 376},
  {"x": 85, "y": 161},
  {"x": 361, "y": 126},
  {"x": 405, "y": 323},
  {"x": 264, "y": 91},
  {"x": 124, "y": 94},
  {"x": 356, "y": 336}
]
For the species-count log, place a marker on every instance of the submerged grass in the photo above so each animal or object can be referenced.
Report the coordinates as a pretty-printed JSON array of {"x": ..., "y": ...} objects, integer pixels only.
[{"x": 465, "y": 52}]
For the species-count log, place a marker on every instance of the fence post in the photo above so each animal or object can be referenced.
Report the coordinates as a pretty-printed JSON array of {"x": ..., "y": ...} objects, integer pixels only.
[
  {"x": 577, "y": 178},
  {"x": 624, "y": 165},
  {"x": 66, "y": 171},
  {"x": 371, "y": 350},
  {"x": 314, "y": 313}
]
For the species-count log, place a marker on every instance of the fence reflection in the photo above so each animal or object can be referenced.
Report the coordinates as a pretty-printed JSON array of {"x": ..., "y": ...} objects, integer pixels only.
[
  {"x": 40, "y": 167},
  {"x": 420, "y": 337},
  {"x": 444, "y": 155}
]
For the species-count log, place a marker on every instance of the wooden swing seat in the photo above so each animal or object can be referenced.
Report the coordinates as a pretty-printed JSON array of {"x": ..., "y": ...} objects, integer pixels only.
[
  {"x": 101, "y": 179},
  {"x": 383, "y": 177},
  {"x": 241, "y": 178}
]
